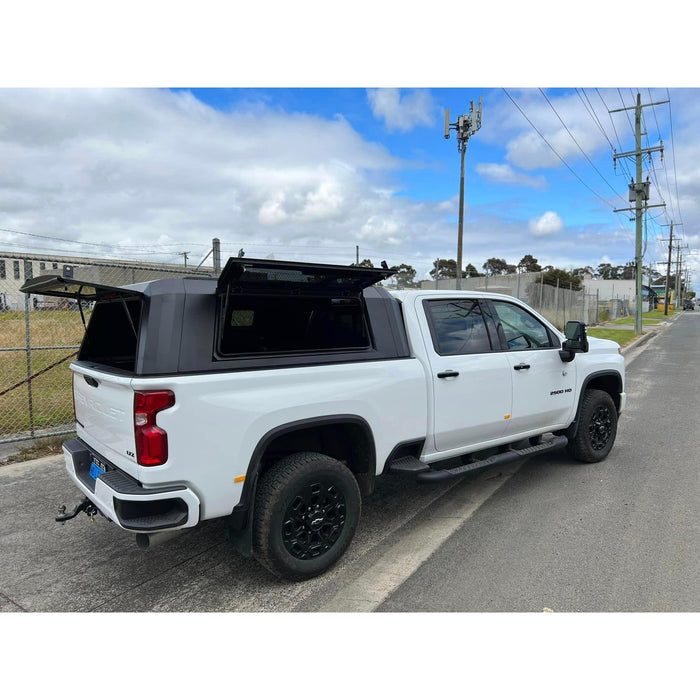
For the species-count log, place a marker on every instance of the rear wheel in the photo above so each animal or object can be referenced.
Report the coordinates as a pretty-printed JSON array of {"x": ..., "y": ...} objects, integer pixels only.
[
  {"x": 597, "y": 427},
  {"x": 307, "y": 507}
]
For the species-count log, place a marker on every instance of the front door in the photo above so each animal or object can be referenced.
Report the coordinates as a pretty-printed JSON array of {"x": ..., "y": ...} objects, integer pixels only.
[{"x": 543, "y": 385}]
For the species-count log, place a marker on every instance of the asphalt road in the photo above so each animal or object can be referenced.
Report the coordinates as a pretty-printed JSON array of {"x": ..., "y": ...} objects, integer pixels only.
[
  {"x": 621, "y": 535},
  {"x": 546, "y": 533}
]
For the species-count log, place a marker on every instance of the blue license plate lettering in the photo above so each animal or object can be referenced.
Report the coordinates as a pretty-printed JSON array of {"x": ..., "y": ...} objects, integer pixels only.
[{"x": 95, "y": 470}]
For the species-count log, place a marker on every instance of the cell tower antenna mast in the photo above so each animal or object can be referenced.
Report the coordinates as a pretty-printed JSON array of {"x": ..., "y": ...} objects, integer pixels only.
[{"x": 465, "y": 127}]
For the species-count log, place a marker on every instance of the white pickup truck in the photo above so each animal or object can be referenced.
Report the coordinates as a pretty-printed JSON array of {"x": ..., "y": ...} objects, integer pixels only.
[{"x": 275, "y": 395}]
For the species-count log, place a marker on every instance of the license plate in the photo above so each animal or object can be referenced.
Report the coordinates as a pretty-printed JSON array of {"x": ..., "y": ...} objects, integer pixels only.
[{"x": 96, "y": 470}]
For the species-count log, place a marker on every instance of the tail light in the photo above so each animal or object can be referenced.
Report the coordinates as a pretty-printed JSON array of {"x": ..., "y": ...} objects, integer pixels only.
[{"x": 151, "y": 441}]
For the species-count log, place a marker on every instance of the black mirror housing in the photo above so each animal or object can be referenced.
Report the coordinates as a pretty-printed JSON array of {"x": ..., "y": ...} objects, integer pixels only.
[{"x": 576, "y": 340}]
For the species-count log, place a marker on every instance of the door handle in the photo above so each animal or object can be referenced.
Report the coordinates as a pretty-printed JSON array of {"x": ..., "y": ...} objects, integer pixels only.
[
  {"x": 521, "y": 366},
  {"x": 447, "y": 373}
]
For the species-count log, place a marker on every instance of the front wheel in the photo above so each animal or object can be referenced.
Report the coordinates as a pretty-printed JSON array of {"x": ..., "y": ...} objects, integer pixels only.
[
  {"x": 597, "y": 427},
  {"x": 307, "y": 507}
]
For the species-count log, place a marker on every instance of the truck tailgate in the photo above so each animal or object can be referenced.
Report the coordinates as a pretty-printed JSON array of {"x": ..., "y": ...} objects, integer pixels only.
[{"x": 104, "y": 411}]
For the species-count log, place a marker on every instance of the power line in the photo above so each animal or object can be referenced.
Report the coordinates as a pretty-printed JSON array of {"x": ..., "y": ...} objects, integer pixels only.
[
  {"x": 622, "y": 102},
  {"x": 555, "y": 152},
  {"x": 100, "y": 245},
  {"x": 593, "y": 115},
  {"x": 617, "y": 136},
  {"x": 673, "y": 150},
  {"x": 615, "y": 192}
]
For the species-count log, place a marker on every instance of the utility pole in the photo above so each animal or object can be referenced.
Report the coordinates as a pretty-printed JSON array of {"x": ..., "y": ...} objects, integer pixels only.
[
  {"x": 184, "y": 254},
  {"x": 216, "y": 250},
  {"x": 676, "y": 296},
  {"x": 465, "y": 127},
  {"x": 638, "y": 193},
  {"x": 668, "y": 269},
  {"x": 357, "y": 255}
]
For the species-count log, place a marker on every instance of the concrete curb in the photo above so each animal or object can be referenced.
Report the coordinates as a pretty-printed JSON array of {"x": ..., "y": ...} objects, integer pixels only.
[
  {"x": 657, "y": 330},
  {"x": 639, "y": 341}
]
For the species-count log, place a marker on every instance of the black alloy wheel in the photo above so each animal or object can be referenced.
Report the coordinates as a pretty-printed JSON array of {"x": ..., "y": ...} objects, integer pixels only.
[
  {"x": 600, "y": 427},
  {"x": 307, "y": 507},
  {"x": 596, "y": 429},
  {"x": 314, "y": 520}
]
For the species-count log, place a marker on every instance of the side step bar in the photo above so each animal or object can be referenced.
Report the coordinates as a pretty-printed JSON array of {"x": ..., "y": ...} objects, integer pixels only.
[{"x": 424, "y": 472}]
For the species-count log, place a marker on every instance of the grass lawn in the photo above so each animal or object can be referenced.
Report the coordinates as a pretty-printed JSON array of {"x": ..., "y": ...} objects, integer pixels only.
[
  {"x": 629, "y": 321},
  {"x": 621, "y": 336},
  {"x": 649, "y": 318},
  {"x": 660, "y": 314}
]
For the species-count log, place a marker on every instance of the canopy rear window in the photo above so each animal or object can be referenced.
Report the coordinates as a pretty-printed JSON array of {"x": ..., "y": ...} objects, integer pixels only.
[
  {"x": 280, "y": 277},
  {"x": 54, "y": 286}
]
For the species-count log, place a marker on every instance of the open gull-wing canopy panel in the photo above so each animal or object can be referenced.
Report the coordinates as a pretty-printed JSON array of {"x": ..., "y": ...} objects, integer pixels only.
[
  {"x": 54, "y": 286},
  {"x": 279, "y": 277}
]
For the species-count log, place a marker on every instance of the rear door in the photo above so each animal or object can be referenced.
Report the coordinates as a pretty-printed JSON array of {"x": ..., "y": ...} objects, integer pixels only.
[
  {"x": 471, "y": 382},
  {"x": 104, "y": 411},
  {"x": 104, "y": 399},
  {"x": 543, "y": 385}
]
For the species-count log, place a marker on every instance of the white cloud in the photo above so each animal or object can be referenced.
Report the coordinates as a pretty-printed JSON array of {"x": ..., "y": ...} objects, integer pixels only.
[
  {"x": 503, "y": 173},
  {"x": 546, "y": 225},
  {"x": 402, "y": 112},
  {"x": 527, "y": 149},
  {"x": 148, "y": 173}
]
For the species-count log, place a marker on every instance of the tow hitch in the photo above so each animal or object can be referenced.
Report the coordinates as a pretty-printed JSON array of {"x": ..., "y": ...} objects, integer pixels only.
[{"x": 85, "y": 505}]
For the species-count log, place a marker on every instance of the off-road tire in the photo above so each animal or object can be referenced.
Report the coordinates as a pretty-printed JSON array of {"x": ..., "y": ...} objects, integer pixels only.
[
  {"x": 597, "y": 427},
  {"x": 307, "y": 507}
]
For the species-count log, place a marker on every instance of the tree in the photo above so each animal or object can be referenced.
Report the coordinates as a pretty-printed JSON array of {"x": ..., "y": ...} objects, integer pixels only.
[
  {"x": 581, "y": 271},
  {"x": 365, "y": 263},
  {"x": 605, "y": 270},
  {"x": 528, "y": 264},
  {"x": 566, "y": 279},
  {"x": 444, "y": 269},
  {"x": 495, "y": 266},
  {"x": 405, "y": 275},
  {"x": 628, "y": 271},
  {"x": 471, "y": 271},
  {"x": 614, "y": 272}
]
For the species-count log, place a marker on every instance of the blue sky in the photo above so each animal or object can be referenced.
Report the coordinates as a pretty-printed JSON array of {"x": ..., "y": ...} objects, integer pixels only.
[{"x": 310, "y": 173}]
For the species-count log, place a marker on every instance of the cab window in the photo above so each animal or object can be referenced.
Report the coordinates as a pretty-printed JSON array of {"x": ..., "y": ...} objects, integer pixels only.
[
  {"x": 521, "y": 329},
  {"x": 457, "y": 327}
]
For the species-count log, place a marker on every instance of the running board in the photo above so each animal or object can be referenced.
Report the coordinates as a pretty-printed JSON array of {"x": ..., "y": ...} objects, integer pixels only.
[{"x": 423, "y": 471}]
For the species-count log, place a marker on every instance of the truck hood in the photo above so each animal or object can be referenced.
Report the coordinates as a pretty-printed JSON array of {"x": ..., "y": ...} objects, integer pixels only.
[{"x": 599, "y": 346}]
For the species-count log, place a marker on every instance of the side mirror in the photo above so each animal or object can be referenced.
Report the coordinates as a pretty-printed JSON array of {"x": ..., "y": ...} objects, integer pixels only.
[{"x": 576, "y": 340}]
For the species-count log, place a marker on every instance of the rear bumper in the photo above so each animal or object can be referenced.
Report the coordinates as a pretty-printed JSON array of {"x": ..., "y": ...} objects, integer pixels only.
[{"x": 123, "y": 500}]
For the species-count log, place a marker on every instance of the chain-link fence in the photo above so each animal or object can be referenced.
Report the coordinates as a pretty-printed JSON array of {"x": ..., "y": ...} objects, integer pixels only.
[
  {"x": 557, "y": 304},
  {"x": 40, "y": 336}
]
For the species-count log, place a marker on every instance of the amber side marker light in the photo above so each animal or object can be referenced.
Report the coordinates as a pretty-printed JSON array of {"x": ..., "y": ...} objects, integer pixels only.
[{"x": 238, "y": 479}]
